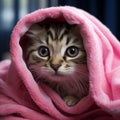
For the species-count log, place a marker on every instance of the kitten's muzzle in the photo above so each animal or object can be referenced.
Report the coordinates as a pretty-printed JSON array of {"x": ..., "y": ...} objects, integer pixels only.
[{"x": 55, "y": 67}]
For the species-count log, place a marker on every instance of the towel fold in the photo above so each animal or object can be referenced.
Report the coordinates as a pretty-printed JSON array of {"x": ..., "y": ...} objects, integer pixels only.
[{"x": 21, "y": 98}]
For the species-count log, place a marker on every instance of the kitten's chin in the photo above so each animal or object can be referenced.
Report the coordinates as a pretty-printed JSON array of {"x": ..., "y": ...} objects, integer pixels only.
[{"x": 56, "y": 76}]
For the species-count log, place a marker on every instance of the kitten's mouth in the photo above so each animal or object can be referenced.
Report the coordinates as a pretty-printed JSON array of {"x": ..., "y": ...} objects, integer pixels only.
[{"x": 57, "y": 74}]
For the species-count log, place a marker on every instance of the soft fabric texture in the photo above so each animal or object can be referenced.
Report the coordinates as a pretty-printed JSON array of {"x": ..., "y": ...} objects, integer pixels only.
[{"x": 21, "y": 98}]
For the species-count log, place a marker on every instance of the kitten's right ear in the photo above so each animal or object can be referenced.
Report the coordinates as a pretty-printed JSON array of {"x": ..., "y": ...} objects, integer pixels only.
[{"x": 34, "y": 30}]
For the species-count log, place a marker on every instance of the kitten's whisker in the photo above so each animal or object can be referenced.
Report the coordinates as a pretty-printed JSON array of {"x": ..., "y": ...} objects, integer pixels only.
[{"x": 81, "y": 73}]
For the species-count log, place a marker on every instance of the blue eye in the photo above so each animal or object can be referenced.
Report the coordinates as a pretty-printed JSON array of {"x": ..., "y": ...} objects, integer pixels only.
[
  {"x": 72, "y": 51},
  {"x": 43, "y": 51}
]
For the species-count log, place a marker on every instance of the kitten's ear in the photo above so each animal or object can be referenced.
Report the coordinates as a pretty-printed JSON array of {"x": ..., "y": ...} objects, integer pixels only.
[
  {"x": 35, "y": 29},
  {"x": 75, "y": 29},
  {"x": 47, "y": 26}
]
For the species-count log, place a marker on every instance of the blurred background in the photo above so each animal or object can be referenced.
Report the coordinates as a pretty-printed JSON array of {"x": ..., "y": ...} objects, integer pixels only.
[{"x": 107, "y": 11}]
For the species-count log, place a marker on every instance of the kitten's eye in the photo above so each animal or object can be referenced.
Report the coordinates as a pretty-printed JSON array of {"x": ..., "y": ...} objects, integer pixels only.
[
  {"x": 72, "y": 51},
  {"x": 43, "y": 51}
]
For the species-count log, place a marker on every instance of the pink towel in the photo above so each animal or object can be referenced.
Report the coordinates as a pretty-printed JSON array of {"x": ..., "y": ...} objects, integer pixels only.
[{"x": 21, "y": 98}]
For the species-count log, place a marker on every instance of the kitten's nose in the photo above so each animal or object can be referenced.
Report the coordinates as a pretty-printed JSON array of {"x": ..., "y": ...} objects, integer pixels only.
[{"x": 55, "y": 66}]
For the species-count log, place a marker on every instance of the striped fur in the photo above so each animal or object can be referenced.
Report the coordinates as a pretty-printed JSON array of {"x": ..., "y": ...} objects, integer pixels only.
[{"x": 56, "y": 51}]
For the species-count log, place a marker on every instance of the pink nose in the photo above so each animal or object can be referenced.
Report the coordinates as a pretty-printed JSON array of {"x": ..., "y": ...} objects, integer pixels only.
[{"x": 55, "y": 66}]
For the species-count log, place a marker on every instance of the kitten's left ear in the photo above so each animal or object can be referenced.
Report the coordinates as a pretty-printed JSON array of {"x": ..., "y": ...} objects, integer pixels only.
[{"x": 75, "y": 29}]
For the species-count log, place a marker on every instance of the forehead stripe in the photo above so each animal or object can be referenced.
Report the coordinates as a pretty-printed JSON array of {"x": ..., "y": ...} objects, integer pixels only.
[
  {"x": 67, "y": 41},
  {"x": 50, "y": 34},
  {"x": 63, "y": 34}
]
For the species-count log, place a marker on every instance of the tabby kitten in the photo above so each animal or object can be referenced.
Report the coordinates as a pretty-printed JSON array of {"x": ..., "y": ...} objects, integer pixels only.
[{"x": 55, "y": 55}]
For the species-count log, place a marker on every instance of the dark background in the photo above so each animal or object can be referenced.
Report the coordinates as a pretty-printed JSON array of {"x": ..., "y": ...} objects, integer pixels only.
[{"x": 107, "y": 11}]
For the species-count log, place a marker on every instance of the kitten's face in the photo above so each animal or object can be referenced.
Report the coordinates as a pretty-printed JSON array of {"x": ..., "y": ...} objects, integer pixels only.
[{"x": 54, "y": 50}]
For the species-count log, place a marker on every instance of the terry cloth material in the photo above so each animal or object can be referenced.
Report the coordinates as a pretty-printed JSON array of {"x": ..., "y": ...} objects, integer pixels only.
[{"x": 21, "y": 98}]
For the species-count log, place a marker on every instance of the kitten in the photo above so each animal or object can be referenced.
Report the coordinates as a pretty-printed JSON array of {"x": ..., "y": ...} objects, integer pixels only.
[{"x": 56, "y": 51}]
